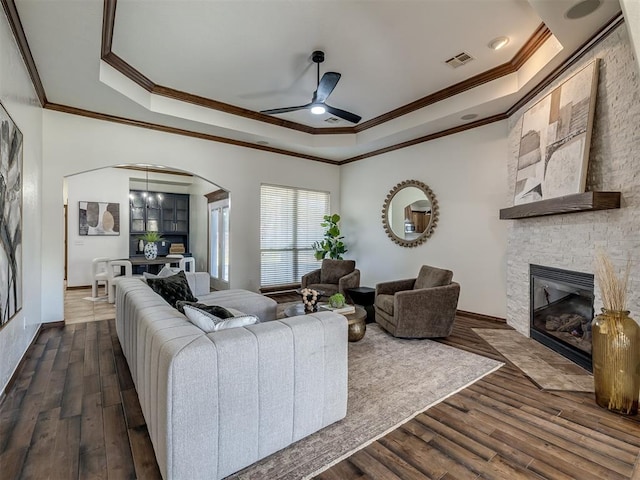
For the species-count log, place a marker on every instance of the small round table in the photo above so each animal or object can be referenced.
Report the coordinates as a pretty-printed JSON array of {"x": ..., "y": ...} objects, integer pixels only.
[{"x": 355, "y": 321}]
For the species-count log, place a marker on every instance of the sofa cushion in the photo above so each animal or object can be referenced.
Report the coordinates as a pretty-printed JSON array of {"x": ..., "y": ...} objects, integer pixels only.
[
  {"x": 210, "y": 323},
  {"x": 173, "y": 288},
  {"x": 333, "y": 270},
  {"x": 433, "y": 277},
  {"x": 216, "y": 310}
]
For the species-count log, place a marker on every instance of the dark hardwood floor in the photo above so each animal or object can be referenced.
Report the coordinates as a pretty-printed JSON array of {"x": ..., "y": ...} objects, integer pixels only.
[{"x": 73, "y": 413}]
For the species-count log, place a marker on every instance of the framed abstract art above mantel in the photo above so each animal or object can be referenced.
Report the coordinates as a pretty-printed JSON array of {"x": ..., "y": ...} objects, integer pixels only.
[
  {"x": 10, "y": 218},
  {"x": 556, "y": 137}
]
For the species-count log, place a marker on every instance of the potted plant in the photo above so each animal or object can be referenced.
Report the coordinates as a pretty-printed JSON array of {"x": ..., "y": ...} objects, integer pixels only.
[
  {"x": 151, "y": 248},
  {"x": 332, "y": 245},
  {"x": 337, "y": 300}
]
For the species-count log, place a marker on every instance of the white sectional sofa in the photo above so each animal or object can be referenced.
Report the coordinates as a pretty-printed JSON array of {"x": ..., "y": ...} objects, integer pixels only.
[{"x": 215, "y": 403}]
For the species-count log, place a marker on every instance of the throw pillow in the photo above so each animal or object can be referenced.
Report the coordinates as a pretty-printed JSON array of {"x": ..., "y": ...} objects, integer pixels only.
[
  {"x": 216, "y": 310},
  {"x": 165, "y": 272},
  {"x": 173, "y": 288},
  {"x": 210, "y": 323},
  {"x": 333, "y": 270}
]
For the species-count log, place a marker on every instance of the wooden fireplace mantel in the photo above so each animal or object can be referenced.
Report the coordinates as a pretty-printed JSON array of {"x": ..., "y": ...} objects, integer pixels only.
[{"x": 579, "y": 202}]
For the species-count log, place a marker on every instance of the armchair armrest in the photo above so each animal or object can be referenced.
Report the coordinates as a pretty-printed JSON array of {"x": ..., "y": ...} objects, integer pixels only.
[
  {"x": 435, "y": 306},
  {"x": 351, "y": 280},
  {"x": 391, "y": 288},
  {"x": 310, "y": 278}
]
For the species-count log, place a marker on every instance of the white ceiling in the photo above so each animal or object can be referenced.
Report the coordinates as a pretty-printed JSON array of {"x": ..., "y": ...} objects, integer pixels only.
[{"x": 255, "y": 54}]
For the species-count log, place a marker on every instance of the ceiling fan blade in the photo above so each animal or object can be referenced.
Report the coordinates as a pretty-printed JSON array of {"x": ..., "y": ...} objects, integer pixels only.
[
  {"x": 348, "y": 116},
  {"x": 327, "y": 83},
  {"x": 274, "y": 111}
]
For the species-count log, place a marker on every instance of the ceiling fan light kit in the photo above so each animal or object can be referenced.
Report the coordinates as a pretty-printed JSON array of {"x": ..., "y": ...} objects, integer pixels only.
[{"x": 317, "y": 106}]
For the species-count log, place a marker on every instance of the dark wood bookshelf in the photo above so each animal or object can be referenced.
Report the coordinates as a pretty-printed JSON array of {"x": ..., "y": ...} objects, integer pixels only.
[{"x": 579, "y": 202}]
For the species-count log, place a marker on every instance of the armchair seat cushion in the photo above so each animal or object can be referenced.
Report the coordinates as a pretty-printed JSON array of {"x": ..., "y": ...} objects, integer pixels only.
[
  {"x": 385, "y": 303},
  {"x": 333, "y": 270}
]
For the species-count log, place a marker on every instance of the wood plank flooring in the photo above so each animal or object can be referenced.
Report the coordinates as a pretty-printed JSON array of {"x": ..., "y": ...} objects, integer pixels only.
[{"x": 73, "y": 414}]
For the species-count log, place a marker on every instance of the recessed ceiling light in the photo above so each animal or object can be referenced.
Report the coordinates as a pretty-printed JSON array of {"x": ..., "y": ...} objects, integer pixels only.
[
  {"x": 498, "y": 43},
  {"x": 582, "y": 9},
  {"x": 469, "y": 116},
  {"x": 318, "y": 109}
]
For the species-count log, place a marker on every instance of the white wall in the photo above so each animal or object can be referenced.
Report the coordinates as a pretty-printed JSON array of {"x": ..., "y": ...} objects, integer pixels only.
[
  {"x": 104, "y": 185},
  {"x": 199, "y": 222},
  {"x": 20, "y": 101},
  {"x": 467, "y": 173},
  {"x": 73, "y": 143}
]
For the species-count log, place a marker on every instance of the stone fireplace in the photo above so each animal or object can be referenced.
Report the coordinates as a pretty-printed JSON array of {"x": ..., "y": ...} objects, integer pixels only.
[
  {"x": 561, "y": 306},
  {"x": 570, "y": 241}
]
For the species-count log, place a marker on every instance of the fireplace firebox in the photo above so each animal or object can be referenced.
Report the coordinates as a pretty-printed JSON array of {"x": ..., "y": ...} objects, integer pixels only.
[{"x": 561, "y": 311}]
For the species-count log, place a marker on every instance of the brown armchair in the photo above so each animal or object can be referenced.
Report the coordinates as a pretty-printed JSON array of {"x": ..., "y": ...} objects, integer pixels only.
[
  {"x": 422, "y": 307},
  {"x": 334, "y": 276}
]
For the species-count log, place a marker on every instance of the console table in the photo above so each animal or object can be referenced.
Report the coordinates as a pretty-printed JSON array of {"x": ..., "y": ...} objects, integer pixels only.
[{"x": 144, "y": 263}]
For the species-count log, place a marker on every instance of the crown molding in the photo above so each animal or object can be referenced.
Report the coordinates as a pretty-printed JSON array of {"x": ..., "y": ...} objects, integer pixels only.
[
  {"x": 534, "y": 42},
  {"x": 532, "y": 45},
  {"x": 179, "y": 131},
  {"x": 580, "y": 52},
  {"x": 427, "y": 138},
  {"x": 11, "y": 11}
]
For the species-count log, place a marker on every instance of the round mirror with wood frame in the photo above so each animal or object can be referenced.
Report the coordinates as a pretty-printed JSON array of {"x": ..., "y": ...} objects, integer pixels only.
[{"x": 410, "y": 213}]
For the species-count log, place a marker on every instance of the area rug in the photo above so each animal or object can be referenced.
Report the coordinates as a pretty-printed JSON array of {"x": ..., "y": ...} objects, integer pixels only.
[
  {"x": 390, "y": 381},
  {"x": 548, "y": 369}
]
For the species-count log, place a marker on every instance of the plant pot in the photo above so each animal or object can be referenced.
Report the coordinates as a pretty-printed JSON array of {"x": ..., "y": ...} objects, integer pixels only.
[
  {"x": 150, "y": 251},
  {"x": 616, "y": 360}
]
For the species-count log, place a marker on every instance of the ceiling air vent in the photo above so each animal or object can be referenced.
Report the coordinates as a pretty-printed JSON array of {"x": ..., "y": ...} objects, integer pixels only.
[
  {"x": 332, "y": 120},
  {"x": 459, "y": 60}
]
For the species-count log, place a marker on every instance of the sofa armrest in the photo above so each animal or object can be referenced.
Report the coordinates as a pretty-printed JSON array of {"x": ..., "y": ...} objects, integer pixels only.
[
  {"x": 351, "y": 280},
  {"x": 199, "y": 282},
  {"x": 310, "y": 278},
  {"x": 390, "y": 288}
]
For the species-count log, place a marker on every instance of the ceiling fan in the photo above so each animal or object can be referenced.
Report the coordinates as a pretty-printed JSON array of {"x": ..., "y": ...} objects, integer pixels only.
[{"x": 325, "y": 87}]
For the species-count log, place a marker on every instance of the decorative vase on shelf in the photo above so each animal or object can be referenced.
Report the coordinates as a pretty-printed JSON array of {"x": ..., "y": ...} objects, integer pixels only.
[
  {"x": 150, "y": 251},
  {"x": 616, "y": 361}
]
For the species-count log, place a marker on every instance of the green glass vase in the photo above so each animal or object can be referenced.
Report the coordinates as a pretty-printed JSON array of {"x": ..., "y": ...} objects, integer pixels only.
[{"x": 616, "y": 361}]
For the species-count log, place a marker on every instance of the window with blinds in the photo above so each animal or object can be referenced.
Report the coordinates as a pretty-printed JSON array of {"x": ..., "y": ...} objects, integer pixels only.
[{"x": 290, "y": 221}]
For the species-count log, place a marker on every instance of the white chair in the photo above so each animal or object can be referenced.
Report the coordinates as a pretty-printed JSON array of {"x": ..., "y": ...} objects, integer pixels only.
[
  {"x": 99, "y": 273},
  {"x": 176, "y": 256},
  {"x": 115, "y": 270},
  {"x": 189, "y": 262}
]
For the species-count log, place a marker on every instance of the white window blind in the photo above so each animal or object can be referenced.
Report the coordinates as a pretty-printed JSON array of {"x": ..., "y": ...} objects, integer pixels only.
[{"x": 290, "y": 221}]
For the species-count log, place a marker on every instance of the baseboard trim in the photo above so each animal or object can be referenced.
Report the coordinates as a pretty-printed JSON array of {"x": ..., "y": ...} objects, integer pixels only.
[
  {"x": 287, "y": 288},
  {"x": 480, "y": 316},
  {"x": 58, "y": 324},
  {"x": 17, "y": 370}
]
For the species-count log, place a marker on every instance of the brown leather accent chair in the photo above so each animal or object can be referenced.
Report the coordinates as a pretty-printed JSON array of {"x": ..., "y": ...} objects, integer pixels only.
[
  {"x": 334, "y": 276},
  {"x": 421, "y": 307}
]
